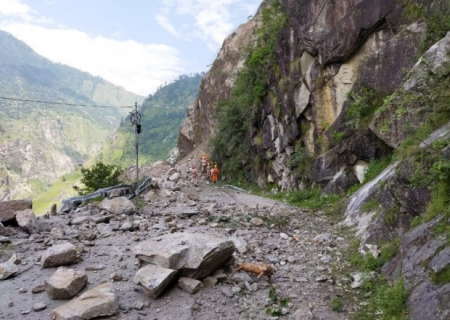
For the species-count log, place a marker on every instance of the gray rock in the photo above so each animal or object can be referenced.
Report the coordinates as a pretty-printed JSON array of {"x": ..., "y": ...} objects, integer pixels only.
[
  {"x": 59, "y": 255},
  {"x": 7, "y": 269},
  {"x": 441, "y": 260},
  {"x": 165, "y": 193},
  {"x": 79, "y": 220},
  {"x": 118, "y": 206},
  {"x": 27, "y": 221},
  {"x": 126, "y": 226},
  {"x": 429, "y": 302},
  {"x": 38, "y": 289},
  {"x": 196, "y": 255},
  {"x": 57, "y": 233},
  {"x": 8, "y": 208},
  {"x": 241, "y": 276},
  {"x": 210, "y": 281},
  {"x": 154, "y": 279},
  {"x": 98, "y": 302},
  {"x": 227, "y": 292},
  {"x": 116, "y": 276},
  {"x": 187, "y": 213},
  {"x": 65, "y": 283},
  {"x": 189, "y": 285},
  {"x": 96, "y": 267},
  {"x": 4, "y": 240},
  {"x": 175, "y": 176},
  {"x": 303, "y": 314},
  {"x": 257, "y": 222},
  {"x": 39, "y": 306}
]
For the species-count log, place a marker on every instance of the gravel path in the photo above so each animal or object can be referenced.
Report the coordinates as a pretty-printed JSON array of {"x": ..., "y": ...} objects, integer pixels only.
[{"x": 303, "y": 247}]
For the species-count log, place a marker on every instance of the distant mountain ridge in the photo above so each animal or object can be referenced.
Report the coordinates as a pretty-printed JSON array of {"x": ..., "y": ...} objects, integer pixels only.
[{"x": 40, "y": 142}]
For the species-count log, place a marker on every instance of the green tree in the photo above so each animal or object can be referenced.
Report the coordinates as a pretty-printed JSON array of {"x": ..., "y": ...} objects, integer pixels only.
[{"x": 99, "y": 176}]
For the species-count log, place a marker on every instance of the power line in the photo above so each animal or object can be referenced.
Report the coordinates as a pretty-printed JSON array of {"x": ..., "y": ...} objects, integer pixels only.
[{"x": 62, "y": 103}]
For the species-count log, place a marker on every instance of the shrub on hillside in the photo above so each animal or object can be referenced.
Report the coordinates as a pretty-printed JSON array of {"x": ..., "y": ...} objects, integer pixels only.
[{"x": 99, "y": 176}]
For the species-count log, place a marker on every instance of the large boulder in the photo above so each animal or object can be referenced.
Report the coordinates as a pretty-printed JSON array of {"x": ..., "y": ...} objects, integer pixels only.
[
  {"x": 59, "y": 255},
  {"x": 119, "y": 205},
  {"x": 65, "y": 283},
  {"x": 98, "y": 302},
  {"x": 195, "y": 255},
  {"x": 27, "y": 221},
  {"x": 8, "y": 208}
]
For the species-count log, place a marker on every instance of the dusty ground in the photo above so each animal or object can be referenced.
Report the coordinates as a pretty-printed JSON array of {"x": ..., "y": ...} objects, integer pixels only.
[{"x": 303, "y": 247}]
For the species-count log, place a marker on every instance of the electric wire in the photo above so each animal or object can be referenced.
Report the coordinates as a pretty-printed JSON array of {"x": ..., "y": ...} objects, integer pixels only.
[
  {"x": 81, "y": 104},
  {"x": 62, "y": 103}
]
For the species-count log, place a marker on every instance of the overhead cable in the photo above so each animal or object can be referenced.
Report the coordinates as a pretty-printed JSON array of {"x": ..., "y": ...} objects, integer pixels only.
[{"x": 62, "y": 103}]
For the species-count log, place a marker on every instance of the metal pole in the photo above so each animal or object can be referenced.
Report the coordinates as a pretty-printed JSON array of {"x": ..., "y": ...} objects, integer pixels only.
[
  {"x": 135, "y": 118},
  {"x": 137, "y": 151}
]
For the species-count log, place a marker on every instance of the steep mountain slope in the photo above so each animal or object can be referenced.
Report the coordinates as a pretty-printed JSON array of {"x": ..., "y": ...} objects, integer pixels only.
[
  {"x": 162, "y": 115},
  {"x": 327, "y": 94},
  {"x": 39, "y": 142}
]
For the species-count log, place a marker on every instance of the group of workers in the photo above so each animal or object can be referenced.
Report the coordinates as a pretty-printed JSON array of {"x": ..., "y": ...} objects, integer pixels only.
[{"x": 207, "y": 169}]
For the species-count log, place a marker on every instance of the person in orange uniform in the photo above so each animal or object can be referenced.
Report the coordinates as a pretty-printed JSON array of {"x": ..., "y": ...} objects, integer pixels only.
[{"x": 215, "y": 174}]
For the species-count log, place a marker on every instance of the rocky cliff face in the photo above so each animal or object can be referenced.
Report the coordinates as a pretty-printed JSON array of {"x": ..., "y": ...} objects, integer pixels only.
[
  {"x": 350, "y": 84},
  {"x": 327, "y": 51}
]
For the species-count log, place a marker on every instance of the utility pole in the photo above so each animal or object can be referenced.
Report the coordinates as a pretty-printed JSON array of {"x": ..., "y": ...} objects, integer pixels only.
[{"x": 135, "y": 118}]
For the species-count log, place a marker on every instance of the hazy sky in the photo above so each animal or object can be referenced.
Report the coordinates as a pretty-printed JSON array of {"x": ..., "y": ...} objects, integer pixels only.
[{"x": 137, "y": 44}]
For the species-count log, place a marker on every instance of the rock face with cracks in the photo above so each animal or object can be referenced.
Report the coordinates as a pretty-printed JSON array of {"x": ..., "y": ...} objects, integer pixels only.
[
  {"x": 194, "y": 255},
  {"x": 97, "y": 302}
]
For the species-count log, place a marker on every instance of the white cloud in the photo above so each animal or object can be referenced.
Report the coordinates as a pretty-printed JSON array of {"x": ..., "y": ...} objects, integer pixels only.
[
  {"x": 164, "y": 22},
  {"x": 211, "y": 19},
  {"x": 15, "y": 8},
  {"x": 139, "y": 68}
]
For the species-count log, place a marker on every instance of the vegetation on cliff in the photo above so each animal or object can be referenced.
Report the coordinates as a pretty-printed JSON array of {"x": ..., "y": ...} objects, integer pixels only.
[{"x": 238, "y": 116}]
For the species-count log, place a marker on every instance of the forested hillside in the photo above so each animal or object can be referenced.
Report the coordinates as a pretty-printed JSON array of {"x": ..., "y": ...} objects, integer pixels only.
[
  {"x": 162, "y": 115},
  {"x": 41, "y": 141}
]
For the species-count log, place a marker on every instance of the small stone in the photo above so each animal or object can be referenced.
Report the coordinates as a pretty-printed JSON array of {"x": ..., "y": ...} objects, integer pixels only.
[
  {"x": 116, "y": 276},
  {"x": 321, "y": 268},
  {"x": 210, "y": 281},
  {"x": 39, "y": 306},
  {"x": 189, "y": 285},
  {"x": 22, "y": 290},
  {"x": 4, "y": 240},
  {"x": 257, "y": 222},
  {"x": 227, "y": 292},
  {"x": 96, "y": 267},
  {"x": 284, "y": 236},
  {"x": 25, "y": 312},
  {"x": 138, "y": 305},
  {"x": 38, "y": 289}
]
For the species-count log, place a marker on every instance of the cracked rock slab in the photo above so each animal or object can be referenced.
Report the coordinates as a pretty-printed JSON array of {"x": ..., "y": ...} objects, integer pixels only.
[
  {"x": 154, "y": 279},
  {"x": 100, "y": 301},
  {"x": 195, "y": 255}
]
